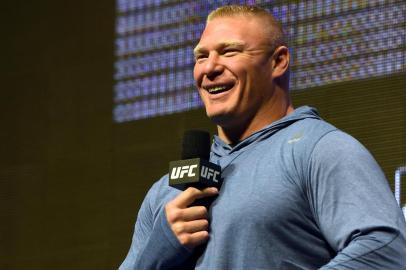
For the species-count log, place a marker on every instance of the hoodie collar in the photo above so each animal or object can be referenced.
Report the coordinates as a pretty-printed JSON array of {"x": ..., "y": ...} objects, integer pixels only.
[{"x": 220, "y": 148}]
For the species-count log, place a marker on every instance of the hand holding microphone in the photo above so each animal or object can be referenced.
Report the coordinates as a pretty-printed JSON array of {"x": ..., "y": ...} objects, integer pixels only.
[
  {"x": 200, "y": 180},
  {"x": 189, "y": 224}
]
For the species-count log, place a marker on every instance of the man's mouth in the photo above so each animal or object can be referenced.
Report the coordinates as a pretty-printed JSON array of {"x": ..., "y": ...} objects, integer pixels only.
[{"x": 218, "y": 88}]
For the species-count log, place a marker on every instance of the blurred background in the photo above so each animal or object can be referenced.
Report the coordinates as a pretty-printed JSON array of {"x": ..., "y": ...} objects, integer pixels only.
[{"x": 96, "y": 96}]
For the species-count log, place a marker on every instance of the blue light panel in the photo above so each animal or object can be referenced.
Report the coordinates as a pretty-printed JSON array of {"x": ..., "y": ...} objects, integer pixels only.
[{"x": 331, "y": 41}]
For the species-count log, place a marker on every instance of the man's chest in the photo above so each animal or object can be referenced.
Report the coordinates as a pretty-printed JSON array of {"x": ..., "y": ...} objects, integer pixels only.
[{"x": 261, "y": 189}]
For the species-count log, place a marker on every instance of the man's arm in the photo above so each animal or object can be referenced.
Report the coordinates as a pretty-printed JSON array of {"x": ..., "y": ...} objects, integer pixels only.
[
  {"x": 166, "y": 243},
  {"x": 189, "y": 224},
  {"x": 354, "y": 206}
]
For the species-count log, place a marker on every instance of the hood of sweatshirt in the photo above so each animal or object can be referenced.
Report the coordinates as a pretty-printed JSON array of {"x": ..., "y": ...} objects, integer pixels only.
[{"x": 220, "y": 149}]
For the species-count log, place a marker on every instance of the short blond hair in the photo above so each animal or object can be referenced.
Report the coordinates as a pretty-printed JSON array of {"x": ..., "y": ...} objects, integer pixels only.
[{"x": 276, "y": 33}]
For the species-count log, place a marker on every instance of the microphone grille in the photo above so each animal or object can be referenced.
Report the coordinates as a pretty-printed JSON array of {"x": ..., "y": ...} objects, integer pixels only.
[{"x": 196, "y": 144}]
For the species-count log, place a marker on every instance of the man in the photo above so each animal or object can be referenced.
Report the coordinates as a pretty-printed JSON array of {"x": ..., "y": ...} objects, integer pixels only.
[{"x": 297, "y": 192}]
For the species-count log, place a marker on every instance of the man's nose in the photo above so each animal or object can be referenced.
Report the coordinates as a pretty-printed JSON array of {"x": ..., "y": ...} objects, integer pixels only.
[{"x": 213, "y": 66}]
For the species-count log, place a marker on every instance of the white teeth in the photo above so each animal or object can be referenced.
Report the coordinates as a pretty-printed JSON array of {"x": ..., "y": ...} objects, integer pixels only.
[{"x": 217, "y": 88}]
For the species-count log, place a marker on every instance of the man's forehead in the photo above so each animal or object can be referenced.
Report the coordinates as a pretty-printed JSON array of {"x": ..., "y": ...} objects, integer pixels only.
[{"x": 232, "y": 30}]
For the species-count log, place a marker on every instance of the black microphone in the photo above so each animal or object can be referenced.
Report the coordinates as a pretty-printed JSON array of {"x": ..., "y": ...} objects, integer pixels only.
[{"x": 194, "y": 169}]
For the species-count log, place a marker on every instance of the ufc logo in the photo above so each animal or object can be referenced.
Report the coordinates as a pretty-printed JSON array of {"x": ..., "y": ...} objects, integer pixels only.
[
  {"x": 179, "y": 172},
  {"x": 209, "y": 173},
  {"x": 190, "y": 171}
]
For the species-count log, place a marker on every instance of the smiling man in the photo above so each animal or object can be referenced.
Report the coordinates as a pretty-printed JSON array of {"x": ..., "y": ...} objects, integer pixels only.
[
  {"x": 298, "y": 193},
  {"x": 241, "y": 71}
]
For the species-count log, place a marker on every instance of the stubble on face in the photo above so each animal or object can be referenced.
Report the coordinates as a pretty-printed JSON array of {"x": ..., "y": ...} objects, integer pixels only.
[{"x": 234, "y": 51}]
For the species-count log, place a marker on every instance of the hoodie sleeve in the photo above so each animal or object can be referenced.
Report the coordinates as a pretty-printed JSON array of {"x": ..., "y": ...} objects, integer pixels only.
[
  {"x": 354, "y": 206},
  {"x": 154, "y": 246}
]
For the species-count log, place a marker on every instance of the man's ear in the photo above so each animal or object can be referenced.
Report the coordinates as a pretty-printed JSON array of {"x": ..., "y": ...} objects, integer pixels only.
[{"x": 280, "y": 61}]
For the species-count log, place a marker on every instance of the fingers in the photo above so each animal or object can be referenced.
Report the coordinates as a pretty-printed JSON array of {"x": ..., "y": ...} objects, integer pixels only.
[
  {"x": 191, "y": 194},
  {"x": 193, "y": 213},
  {"x": 183, "y": 215},
  {"x": 189, "y": 224},
  {"x": 192, "y": 233},
  {"x": 194, "y": 239}
]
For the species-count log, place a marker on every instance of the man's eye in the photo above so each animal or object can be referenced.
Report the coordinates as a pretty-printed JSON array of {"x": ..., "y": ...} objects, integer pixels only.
[
  {"x": 200, "y": 56},
  {"x": 230, "y": 52}
]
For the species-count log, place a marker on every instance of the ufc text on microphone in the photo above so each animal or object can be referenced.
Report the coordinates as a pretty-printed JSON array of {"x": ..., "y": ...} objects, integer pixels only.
[{"x": 194, "y": 170}]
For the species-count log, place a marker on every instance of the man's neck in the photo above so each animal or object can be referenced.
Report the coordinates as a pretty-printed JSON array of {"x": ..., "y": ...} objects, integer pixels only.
[{"x": 233, "y": 135}]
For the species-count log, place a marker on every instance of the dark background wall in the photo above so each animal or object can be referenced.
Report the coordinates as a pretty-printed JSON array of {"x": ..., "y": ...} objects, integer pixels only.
[
  {"x": 56, "y": 177},
  {"x": 71, "y": 181}
]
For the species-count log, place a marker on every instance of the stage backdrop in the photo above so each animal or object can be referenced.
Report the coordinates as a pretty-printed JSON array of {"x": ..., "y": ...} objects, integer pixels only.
[{"x": 87, "y": 126}]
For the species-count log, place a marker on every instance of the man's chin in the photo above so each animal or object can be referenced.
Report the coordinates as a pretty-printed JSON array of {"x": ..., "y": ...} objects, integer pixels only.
[{"x": 222, "y": 119}]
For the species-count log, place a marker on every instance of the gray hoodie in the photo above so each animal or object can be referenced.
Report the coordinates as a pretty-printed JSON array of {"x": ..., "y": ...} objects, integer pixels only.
[{"x": 298, "y": 194}]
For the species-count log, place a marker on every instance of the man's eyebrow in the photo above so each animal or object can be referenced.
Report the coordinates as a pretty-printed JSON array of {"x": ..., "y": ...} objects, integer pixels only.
[
  {"x": 199, "y": 49},
  {"x": 232, "y": 43}
]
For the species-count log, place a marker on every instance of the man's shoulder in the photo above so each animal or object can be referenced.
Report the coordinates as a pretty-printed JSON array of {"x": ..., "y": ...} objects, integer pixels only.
[
  {"x": 301, "y": 139},
  {"x": 307, "y": 132},
  {"x": 314, "y": 125},
  {"x": 161, "y": 188},
  {"x": 160, "y": 193}
]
